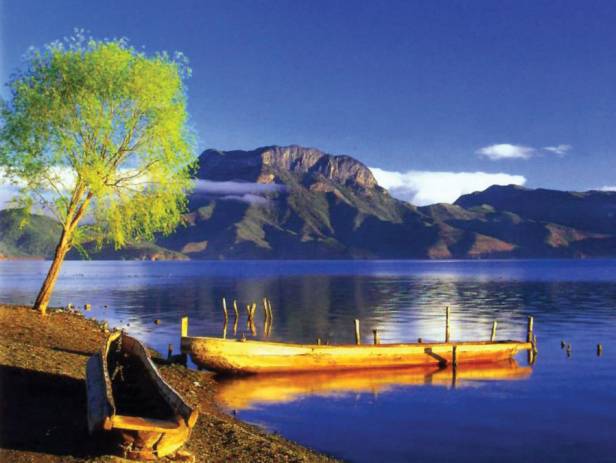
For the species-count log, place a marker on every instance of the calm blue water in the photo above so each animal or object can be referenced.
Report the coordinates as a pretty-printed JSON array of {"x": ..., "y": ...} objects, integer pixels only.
[{"x": 561, "y": 410}]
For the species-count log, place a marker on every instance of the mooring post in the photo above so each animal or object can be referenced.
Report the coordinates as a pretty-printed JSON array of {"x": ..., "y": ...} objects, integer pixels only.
[
  {"x": 454, "y": 356},
  {"x": 375, "y": 334},
  {"x": 493, "y": 336},
  {"x": 318, "y": 341},
  {"x": 599, "y": 350},
  {"x": 447, "y": 330},
  {"x": 529, "y": 332},
  {"x": 169, "y": 352},
  {"x": 184, "y": 330},
  {"x": 357, "y": 336},
  {"x": 224, "y": 309}
]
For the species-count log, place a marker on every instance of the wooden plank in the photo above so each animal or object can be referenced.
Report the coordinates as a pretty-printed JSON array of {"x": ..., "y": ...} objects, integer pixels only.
[
  {"x": 99, "y": 410},
  {"x": 138, "y": 423}
]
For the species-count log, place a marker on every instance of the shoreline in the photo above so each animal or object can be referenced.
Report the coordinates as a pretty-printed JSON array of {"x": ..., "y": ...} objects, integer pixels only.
[{"x": 43, "y": 411}]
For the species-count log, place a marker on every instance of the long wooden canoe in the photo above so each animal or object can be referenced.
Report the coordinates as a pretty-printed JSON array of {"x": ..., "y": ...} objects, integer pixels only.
[
  {"x": 146, "y": 418},
  {"x": 241, "y": 356},
  {"x": 248, "y": 391}
]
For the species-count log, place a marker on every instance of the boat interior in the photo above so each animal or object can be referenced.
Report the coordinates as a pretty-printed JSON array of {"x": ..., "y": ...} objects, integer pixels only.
[{"x": 133, "y": 393}]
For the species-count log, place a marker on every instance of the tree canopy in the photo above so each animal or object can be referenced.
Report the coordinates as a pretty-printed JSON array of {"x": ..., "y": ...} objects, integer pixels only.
[{"x": 98, "y": 130}]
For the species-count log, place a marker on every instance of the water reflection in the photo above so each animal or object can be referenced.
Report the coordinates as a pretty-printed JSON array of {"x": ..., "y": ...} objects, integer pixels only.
[{"x": 266, "y": 389}]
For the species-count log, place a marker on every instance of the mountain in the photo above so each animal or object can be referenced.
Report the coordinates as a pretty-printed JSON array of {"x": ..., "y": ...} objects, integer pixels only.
[
  {"x": 301, "y": 203},
  {"x": 21, "y": 235},
  {"x": 35, "y": 236}
]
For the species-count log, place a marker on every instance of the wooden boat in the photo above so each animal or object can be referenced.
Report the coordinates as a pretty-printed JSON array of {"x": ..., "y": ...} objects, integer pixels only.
[
  {"x": 144, "y": 416},
  {"x": 242, "y": 356},
  {"x": 245, "y": 392}
]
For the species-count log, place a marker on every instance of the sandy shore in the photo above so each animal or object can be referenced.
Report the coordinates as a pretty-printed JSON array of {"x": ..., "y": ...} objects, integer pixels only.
[{"x": 43, "y": 407}]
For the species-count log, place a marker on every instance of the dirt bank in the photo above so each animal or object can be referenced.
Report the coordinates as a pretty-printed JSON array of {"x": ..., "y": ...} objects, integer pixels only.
[{"x": 43, "y": 407}]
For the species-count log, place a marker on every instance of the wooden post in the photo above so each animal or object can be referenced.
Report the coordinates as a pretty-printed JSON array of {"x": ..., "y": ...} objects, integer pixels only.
[
  {"x": 447, "y": 329},
  {"x": 265, "y": 311},
  {"x": 169, "y": 352},
  {"x": 599, "y": 350},
  {"x": 454, "y": 356},
  {"x": 318, "y": 341},
  {"x": 357, "y": 336},
  {"x": 224, "y": 309},
  {"x": 184, "y": 326},
  {"x": 529, "y": 332},
  {"x": 237, "y": 312},
  {"x": 375, "y": 334},
  {"x": 493, "y": 336},
  {"x": 420, "y": 340}
]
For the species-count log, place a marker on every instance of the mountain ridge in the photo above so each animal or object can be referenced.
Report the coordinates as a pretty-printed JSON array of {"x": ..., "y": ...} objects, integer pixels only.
[{"x": 290, "y": 202}]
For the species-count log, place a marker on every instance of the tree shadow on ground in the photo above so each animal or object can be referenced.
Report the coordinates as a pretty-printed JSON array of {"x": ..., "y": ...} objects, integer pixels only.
[{"x": 46, "y": 413}]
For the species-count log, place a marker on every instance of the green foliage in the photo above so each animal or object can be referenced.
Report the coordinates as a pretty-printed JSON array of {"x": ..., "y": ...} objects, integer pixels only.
[{"x": 98, "y": 126}]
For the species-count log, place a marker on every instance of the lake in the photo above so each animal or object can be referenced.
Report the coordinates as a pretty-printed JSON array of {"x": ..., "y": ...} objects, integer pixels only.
[{"x": 561, "y": 409}]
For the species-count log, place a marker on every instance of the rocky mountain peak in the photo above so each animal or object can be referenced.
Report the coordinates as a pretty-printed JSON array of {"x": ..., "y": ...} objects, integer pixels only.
[{"x": 265, "y": 164}]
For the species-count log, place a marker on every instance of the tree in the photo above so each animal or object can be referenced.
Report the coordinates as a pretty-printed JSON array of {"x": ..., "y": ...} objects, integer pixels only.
[{"x": 96, "y": 133}]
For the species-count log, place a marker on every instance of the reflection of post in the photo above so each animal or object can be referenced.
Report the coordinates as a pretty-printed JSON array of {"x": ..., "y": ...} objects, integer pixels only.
[
  {"x": 357, "y": 335},
  {"x": 265, "y": 311},
  {"x": 224, "y": 330},
  {"x": 253, "y": 328},
  {"x": 529, "y": 333},
  {"x": 237, "y": 312},
  {"x": 375, "y": 334},
  {"x": 235, "y": 326},
  {"x": 447, "y": 330},
  {"x": 493, "y": 336},
  {"x": 169, "y": 352},
  {"x": 454, "y": 356},
  {"x": 454, "y": 376},
  {"x": 531, "y": 357}
]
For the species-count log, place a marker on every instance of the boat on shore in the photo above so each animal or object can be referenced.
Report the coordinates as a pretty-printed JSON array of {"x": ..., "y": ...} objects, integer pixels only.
[
  {"x": 241, "y": 356},
  {"x": 145, "y": 417}
]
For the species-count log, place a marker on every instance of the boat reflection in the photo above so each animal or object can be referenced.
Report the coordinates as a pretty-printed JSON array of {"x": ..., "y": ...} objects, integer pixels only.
[{"x": 241, "y": 393}]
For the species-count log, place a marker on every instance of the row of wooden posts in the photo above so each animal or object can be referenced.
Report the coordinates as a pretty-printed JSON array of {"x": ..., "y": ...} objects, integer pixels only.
[
  {"x": 530, "y": 337},
  {"x": 251, "y": 309}
]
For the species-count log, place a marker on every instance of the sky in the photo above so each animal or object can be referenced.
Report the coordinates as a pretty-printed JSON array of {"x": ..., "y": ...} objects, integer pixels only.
[{"x": 439, "y": 98}]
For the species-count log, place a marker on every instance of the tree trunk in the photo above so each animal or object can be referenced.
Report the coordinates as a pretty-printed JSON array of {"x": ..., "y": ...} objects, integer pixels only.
[{"x": 42, "y": 300}]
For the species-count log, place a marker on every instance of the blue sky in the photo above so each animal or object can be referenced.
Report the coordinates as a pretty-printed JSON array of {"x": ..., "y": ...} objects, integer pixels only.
[{"x": 408, "y": 87}]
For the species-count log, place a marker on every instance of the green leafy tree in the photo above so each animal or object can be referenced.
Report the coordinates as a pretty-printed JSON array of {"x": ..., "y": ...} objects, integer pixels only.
[{"x": 97, "y": 133}]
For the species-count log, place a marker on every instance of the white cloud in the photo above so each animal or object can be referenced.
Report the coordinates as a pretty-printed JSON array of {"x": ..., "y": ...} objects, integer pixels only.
[
  {"x": 235, "y": 188},
  {"x": 428, "y": 187},
  {"x": 608, "y": 188},
  {"x": 247, "y": 198},
  {"x": 561, "y": 150},
  {"x": 506, "y": 151},
  {"x": 246, "y": 192}
]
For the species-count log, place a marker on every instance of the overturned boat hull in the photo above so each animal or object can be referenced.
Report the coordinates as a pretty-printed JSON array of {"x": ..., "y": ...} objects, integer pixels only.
[{"x": 241, "y": 356}]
